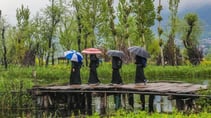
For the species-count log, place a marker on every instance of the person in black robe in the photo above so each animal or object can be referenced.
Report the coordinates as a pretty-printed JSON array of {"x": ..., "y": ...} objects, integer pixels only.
[
  {"x": 139, "y": 78},
  {"x": 116, "y": 65},
  {"x": 140, "y": 65},
  {"x": 77, "y": 100},
  {"x": 75, "y": 77},
  {"x": 94, "y": 63},
  {"x": 116, "y": 79}
]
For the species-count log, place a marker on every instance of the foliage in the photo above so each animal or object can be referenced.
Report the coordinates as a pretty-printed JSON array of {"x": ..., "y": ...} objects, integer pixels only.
[
  {"x": 53, "y": 15},
  {"x": 204, "y": 102},
  {"x": 190, "y": 34},
  {"x": 171, "y": 51},
  {"x": 59, "y": 74},
  {"x": 15, "y": 81},
  {"x": 143, "y": 114},
  {"x": 144, "y": 18}
]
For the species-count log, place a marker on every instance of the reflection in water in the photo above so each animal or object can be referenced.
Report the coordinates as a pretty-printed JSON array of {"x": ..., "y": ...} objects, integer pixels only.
[{"x": 161, "y": 104}]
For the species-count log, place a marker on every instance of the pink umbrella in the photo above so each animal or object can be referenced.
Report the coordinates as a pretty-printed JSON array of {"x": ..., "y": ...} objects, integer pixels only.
[{"x": 91, "y": 51}]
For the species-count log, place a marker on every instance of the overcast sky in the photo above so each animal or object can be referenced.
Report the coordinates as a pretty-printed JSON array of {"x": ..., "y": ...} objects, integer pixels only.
[{"x": 9, "y": 7}]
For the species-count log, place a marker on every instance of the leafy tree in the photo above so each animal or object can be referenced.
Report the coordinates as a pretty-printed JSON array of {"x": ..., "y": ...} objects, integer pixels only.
[
  {"x": 76, "y": 5},
  {"x": 24, "y": 47},
  {"x": 53, "y": 16},
  {"x": 160, "y": 32},
  {"x": 124, "y": 10},
  {"x": 145, "y": 16},
  {"x": 3, "y": 40},
  {"x": 171, "y": 52},
  {"x": 190, "y": 35},
  {"x": 111, "y": 20},
  {"x": 38, "y": 26},
  {"x": 68, "y": 32}
]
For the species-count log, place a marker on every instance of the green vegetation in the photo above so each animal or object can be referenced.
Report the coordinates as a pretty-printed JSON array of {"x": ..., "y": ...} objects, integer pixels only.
[
  {"x": 78, "y": 24},
  {"x": 15, "y": 81},
  {"x": 59, "y": 74},
  {"x": 143, "y": 114}
]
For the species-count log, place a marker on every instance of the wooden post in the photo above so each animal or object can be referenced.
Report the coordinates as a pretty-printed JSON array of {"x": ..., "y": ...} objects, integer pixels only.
[
  {"x": 21, "y": 93},
  {"x": 124, "y": 101},
  {"x": 45, "y": 101},
  {"x": 131, "y": 100},
  {"x": 69, "y": 104},
  {"x": 89, "y": 103},
  {"x": 180, "y": 104},
  {"x": 82, "y": 103},
  {"x": 102, "y": 105},
  {"x": 142, "y": 98},
  {"x": 151, "y": 99}
]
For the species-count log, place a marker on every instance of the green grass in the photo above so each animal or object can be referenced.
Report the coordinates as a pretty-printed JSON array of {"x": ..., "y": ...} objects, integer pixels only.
[
  {"x": 143, "y": 114},
  {"x": 59, "y": 74}
]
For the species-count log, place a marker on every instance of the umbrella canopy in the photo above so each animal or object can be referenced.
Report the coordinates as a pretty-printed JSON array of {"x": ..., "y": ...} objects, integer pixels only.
[
  {"x": 73, "y": 55},
  {"x": 139, "y": 51},
  {"x": 91, "y": 51},
  {"x": 115, "y": 53}
]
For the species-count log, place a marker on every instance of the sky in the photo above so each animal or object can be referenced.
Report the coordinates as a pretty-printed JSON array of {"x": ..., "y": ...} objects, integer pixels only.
[{"x": 8, "y": 7}]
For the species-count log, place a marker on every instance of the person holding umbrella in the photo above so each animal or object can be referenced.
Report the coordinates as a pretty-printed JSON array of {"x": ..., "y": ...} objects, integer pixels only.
[
  {"x": 75, "y": 76},
  {"x": 94, "y": 63},
  {"x": 116, "y": 65},
  {"x": 93, "y": 78},
  {"x": 116, "y": 77},
  {"x": 77, "y": 100},
  {"x": 141, "y": 56},
  {"x": 76, "y": 61},
  {"x": 140, "y": 65}
]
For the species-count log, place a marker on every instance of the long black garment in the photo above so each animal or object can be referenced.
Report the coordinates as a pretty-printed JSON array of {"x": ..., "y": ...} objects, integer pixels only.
[
  {"x": 75, "y": 77},
  {"x": 140, "y": 64},
  {"x": 94, "y": 63},
  {"x": 116, "y": 65}
]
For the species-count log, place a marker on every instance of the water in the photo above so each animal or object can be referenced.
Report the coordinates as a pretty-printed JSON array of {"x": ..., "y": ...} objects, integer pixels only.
[{"x": 161, "y": 104}]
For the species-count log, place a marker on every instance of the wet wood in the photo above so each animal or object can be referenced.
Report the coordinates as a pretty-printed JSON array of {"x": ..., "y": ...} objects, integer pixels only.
[
  {"x": 79, "y": 97},
  {"x": 159, "y": 88}
]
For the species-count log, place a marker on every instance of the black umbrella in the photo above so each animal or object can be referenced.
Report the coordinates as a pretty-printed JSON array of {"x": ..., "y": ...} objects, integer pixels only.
[
  {"x": 115, "y": 53},
  {"x": 139, "y": 51}
]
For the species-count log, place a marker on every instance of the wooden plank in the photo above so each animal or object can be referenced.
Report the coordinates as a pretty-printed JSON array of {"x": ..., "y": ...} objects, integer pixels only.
[{"x": 160, "y": 87}]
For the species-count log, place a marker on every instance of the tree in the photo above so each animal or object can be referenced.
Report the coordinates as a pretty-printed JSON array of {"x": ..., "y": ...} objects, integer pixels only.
[
  {"x": 160, "y": 32},
  {"x": 171, "y": 52},
  {"x": 124, "y": 10},
  {"x": 53, "y": 17},
  {"x": 111, "y": 19},
  {"x": 68, "y": 32},
  {"x": 190, "y": 35},
  {"x": 145, "y": 16},
  {"x": 39, "y": 28},
  {"x": 24, "y": 48},
  {"x": 3, "y": 40},
  {"x": 78, "y": 14}
]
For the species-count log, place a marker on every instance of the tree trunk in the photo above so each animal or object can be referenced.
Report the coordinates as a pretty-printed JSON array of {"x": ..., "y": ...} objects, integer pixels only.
[{"x": 4, "y": 49}]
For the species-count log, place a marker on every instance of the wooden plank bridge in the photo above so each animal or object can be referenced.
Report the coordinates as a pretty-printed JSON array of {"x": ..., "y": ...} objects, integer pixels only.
[{"x": 79, "y": 97}]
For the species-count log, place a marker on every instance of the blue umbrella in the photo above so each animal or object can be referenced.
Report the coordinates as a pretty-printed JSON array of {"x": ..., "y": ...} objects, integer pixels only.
[{"x": 73, "y": 55}]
